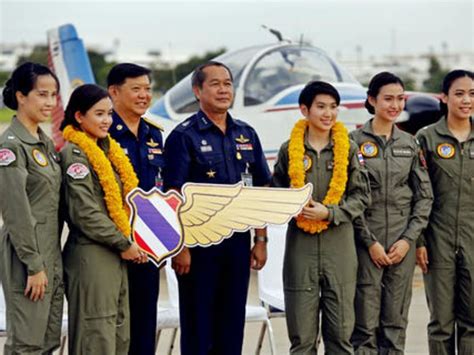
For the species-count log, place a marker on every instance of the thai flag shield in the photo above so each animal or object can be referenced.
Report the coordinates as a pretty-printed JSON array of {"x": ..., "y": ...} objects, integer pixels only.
[{"x": 155, "y": 225}]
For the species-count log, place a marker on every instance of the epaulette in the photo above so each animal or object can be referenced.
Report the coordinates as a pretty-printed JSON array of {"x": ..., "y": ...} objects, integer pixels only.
[
  {"x": 153, "y": 123},
  {"x": 188, "y": 122}
]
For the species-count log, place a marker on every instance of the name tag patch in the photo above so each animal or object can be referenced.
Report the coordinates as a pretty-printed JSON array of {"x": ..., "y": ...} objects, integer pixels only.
[
  {"x": 402, "y": 152},
  {"x": 6, "y": 157},
  {"x": 77, "y": 171},
  {"x": 206, "y": 148}
]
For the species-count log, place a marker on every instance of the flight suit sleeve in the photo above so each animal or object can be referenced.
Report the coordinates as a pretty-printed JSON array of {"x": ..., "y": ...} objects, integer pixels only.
[
  {"x": 420, "y": 184},
  {"x": 357, "y": 196},
  {"x": 83, "y": 210},
  {"x": 17, "y": 215},
  {"x": 362, "y": 231},
  {"x": 177, "y": 161},
  {"x": 280, "y": 176}
]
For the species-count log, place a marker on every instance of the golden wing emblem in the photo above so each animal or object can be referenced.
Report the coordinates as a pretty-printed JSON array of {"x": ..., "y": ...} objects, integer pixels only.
[{"x": 211, "y": 213}]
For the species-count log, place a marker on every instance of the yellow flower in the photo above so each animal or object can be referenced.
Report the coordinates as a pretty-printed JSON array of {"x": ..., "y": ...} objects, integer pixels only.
[
  {"x": 297, "y": 174},
  {"x": 102, "y": 165}
]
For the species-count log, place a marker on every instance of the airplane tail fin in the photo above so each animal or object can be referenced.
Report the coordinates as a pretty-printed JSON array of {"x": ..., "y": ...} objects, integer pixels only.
[{"x": 68, "y": 59}]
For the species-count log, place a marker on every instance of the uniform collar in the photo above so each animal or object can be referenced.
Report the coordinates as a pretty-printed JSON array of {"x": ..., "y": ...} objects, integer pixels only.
[
  {"x": 120, "y": 128},
  {"x": 204, "y": 122},
  {"x": 22, "y": 133},
  {"x": 367, "y": 129},
  {"x": 442, "y": 129},
  {"x": 308, "y": 146}
]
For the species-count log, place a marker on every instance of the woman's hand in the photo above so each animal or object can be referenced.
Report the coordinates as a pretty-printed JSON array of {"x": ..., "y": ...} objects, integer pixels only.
[
  {"x": 36, "y": 286},
  {"x": 135, "y": 254},
  {"x": 422, "y": 259},
  {"x": 398, "y": 250},
  {"x": 378, "y": 255},
  {"x": 315, "y": 211}
]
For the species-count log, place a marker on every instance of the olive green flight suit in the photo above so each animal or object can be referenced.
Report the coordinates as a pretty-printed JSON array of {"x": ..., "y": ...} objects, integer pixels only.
[
  {"x": 30, "y": 183},
  {"x": 401, "y": 204},
  {"x": 95, "y": 275},
  {"x": 320, "y": 270},
  {"x": 449, "y": 238}
]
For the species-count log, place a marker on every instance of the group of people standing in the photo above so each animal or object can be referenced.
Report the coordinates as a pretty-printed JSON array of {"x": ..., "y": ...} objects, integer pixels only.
[{"x": 382, "y": 200}]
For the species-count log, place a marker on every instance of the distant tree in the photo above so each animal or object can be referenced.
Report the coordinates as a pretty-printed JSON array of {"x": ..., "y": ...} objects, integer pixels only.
[
  {"x": 164, "y": 79},
  {"x": 435, "y": 76},
  {"x": 409, "y": 82},
  {"x": 38, "y": 55},
  {"x": 100, "y": 67},
  {"x": 4, "y": 77}
]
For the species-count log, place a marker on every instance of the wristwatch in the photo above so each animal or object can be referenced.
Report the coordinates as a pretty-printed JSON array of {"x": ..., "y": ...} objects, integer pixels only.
[{"x": 260, "y": 238}]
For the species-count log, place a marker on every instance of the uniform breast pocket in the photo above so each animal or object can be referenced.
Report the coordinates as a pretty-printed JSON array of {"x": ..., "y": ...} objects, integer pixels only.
[
  {"x": 158, "y": 161},
  {"x": 211, "y": 168},
  {"x": 246, "y": 159},
  {"x": 374, "y": 179}
]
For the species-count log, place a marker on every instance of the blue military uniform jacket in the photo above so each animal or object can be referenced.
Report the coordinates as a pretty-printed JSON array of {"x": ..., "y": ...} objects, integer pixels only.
[
  {"x": 147, "y": 159},
  {"x": 198, "y": 151}
]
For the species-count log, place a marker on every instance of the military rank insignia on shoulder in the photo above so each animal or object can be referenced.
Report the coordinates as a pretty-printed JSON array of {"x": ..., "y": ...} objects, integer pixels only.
[
  {"x": 7, "y": 156},
  {"x": 154, "y": 124},
  {"x": 446, "y": 150},
  {"x": 77, "y": 171}
]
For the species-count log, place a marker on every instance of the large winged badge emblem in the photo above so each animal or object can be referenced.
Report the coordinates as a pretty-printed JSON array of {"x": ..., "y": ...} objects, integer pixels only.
[{"x": 206, "y": 214}]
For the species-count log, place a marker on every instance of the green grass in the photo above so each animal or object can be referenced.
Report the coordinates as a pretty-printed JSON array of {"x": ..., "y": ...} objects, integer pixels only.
[{"x": 6, "y": 115}]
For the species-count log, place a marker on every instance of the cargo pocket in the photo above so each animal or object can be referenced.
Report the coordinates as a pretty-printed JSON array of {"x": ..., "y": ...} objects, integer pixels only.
[
  {"x": 99, "y": 334},
  {"x": 211, "y": 168}
]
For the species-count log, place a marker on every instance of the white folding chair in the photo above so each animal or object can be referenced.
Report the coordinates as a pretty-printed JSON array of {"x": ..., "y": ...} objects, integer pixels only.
[
  {"x": 270, "y": 281},
  {"x": 3, "y": 314},
  {"x": 168, "y": 316}
]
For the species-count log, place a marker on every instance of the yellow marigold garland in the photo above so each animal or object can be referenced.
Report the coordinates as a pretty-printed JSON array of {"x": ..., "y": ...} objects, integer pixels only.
[
  {"x": 297, "y": 174},
  {"x": 114, "y": 200}
]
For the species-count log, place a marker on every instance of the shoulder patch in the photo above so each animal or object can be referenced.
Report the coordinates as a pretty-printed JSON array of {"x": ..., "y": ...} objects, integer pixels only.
[
  {"x": 77, "y": 171},
  {"x": 154, "y": 124},
  {"x": 7, "y": 156}
]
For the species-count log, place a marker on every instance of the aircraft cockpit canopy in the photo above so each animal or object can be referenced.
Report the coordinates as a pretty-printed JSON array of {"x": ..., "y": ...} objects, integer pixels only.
[{"x": 272, "y": 71}]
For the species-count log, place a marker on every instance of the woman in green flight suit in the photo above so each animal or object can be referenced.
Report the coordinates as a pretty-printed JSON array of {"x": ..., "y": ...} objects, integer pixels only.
[
  {"x": 320, "y": 265},
  {"x": 96, "y": 176},
  {"x": 446, "y": 253},
  {"x": 30, "y": 182},
  {"x": 387, "y": 232}
]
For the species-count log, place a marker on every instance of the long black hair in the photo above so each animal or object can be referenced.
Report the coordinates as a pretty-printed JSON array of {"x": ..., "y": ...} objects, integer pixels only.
[{"x": 23, "y": 79}]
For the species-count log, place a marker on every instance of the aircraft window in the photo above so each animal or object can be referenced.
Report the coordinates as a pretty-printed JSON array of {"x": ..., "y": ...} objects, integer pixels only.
[
  {"x": 182, "y": 98},
  {"x": 286, "y": 67}
]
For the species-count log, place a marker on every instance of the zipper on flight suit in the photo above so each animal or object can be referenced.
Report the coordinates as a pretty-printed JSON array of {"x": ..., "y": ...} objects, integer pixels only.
[
  {"x": 461, "y": 174},
  {"x": 386, "y": 193}
]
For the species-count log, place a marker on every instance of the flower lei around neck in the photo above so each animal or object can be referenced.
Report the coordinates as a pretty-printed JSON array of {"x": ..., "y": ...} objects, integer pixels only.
[
  {"x": 297, "y": 174},
  {"x": 102, "y": 165}
]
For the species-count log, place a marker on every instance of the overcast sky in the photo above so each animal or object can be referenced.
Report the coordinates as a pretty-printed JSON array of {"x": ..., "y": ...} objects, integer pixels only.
[{"x": 176, "y": 28}]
